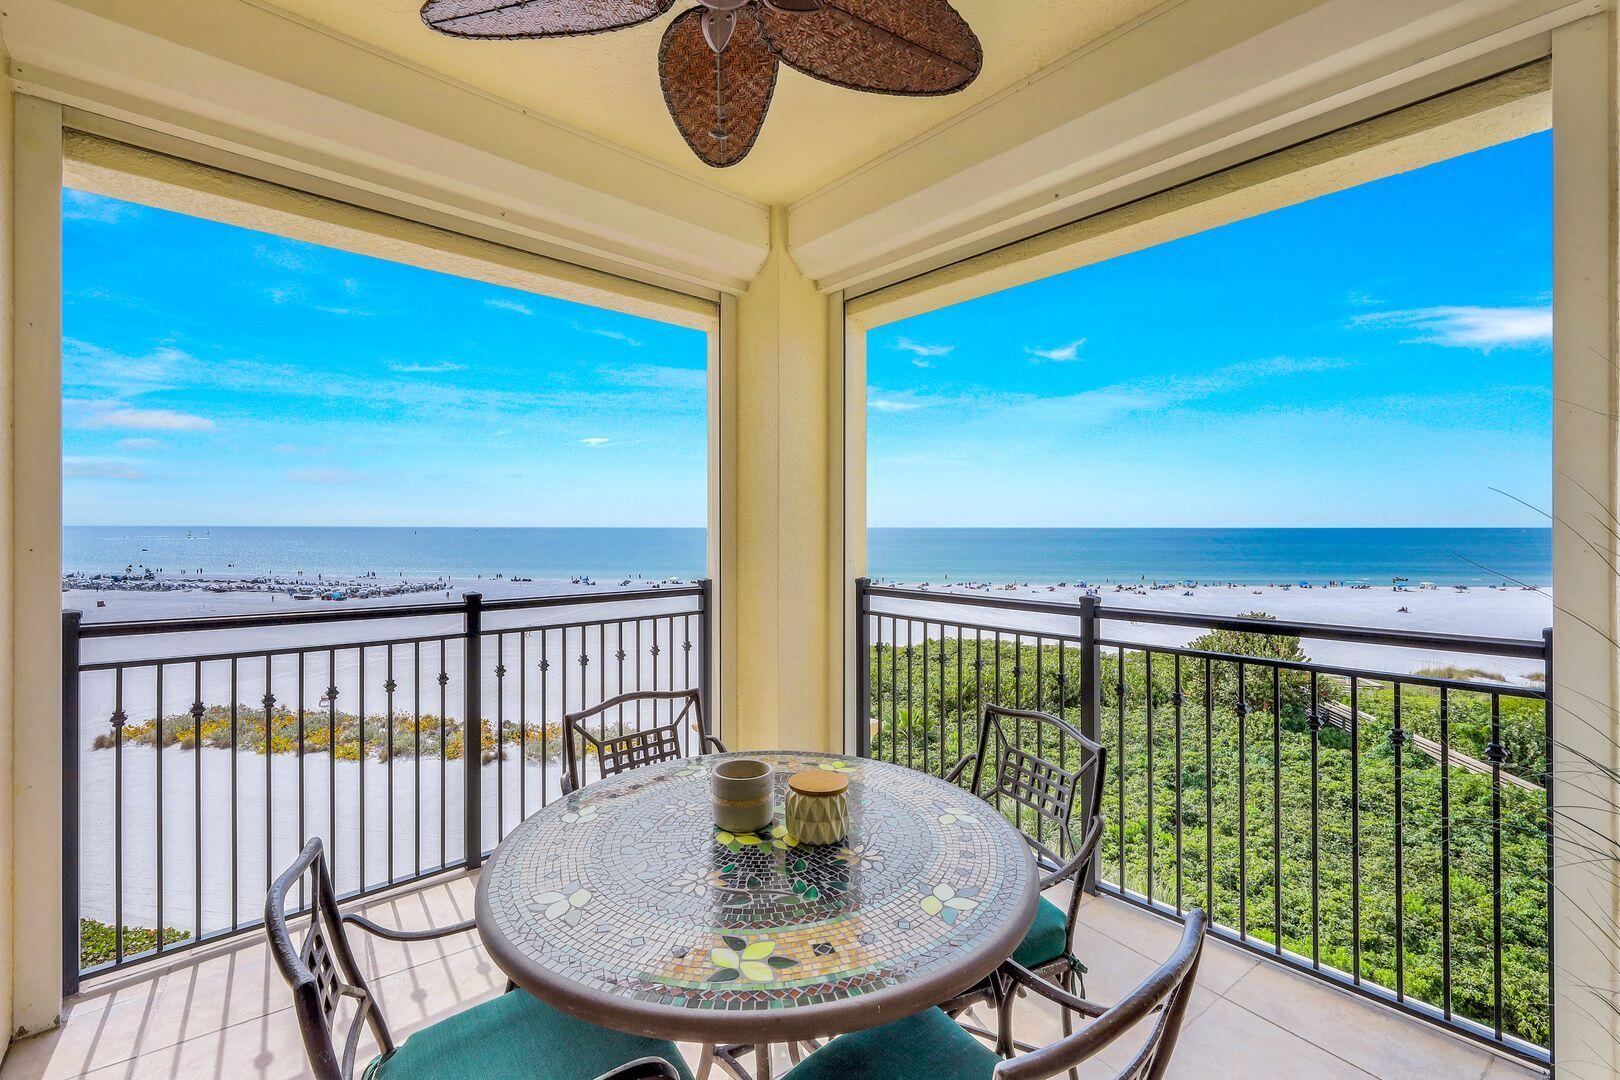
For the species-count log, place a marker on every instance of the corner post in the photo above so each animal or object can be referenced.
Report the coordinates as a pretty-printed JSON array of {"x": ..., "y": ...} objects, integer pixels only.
[
  {"x": 70, "y": 802},
  {"x": 1090, "y": 705},
  {"x": 863, "y": 670},
  {"x": 711, "y": 716},
  {"x": 472, "y": 720}
]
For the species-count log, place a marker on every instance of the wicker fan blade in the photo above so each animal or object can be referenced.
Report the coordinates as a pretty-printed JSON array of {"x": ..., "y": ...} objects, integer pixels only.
[
  {"x": 718, "y": 100},
  {"x": 537, "y": 18},
  {"x": 914, "y": 47}
]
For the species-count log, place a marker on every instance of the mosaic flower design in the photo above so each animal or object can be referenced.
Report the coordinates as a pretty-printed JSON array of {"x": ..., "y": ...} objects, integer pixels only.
[
  {"x": 580, "y": 817},
  {"x": 951, "y": 815},
  {"x": 737, "y": 841},
  {"x": 698, "y": 880},
  {"x": 754, "y": 962},
  {"x": 782, "y": 840},
  {"x": 566, "y": 904},
  {"x": 946, "y": 903},
  {"x": 861, "y": 856}
]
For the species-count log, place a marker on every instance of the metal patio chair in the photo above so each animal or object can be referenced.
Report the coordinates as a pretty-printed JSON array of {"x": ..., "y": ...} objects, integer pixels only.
[
  {"x": 930, "y": 1046},
  {"x": 633, "y": 749},
  {"x": 513, "y": 1037},
  {"x": 1049, "y": 798}
]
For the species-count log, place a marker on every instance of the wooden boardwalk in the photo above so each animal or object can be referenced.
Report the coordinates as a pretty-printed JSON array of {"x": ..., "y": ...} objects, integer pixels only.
[{"x": 1338, "y": 714}]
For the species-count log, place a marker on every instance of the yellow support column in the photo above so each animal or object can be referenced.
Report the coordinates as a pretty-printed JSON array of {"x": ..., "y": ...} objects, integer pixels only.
[{"x": 786, "y": 437}]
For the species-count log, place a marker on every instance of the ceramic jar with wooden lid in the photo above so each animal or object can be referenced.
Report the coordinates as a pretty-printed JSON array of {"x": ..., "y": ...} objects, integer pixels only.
[{"x": 818, "y": 806}]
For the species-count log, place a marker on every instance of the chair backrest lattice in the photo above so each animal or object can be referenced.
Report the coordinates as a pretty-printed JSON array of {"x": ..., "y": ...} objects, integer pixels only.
[
  {"x": 684, "y": 734},
  {"x": 1007, "y": 768}
]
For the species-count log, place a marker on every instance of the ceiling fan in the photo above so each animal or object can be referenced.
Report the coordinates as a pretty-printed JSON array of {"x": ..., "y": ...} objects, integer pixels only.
[{"x": 718, "y": 61}]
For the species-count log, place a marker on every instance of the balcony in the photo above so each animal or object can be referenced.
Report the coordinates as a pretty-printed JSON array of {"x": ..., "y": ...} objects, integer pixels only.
[
  {"x": 1313, "y": 896},
  {"x": 225, "y": 1010}
]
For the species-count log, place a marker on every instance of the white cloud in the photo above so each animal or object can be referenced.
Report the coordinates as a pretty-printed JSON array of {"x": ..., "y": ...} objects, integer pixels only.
[
  {"x": 323, "y": 476},
  {"x": 595, "y": 440},
  {"x": 147, "y": 420},
  {"x": 427, "y": 369},
  {"x": 657, "y": 377},
  {"x": 285, "y": 294},
  {"x": 1063, "y": 354},
  {"x": 1463, "y": 327},
  {"x": 138, "y": 444},
  {"x": 922, "y": 348},
  {"x": 920, "y": 363},
  {"x": 508, "y": 305},
  {"x": 611, "y": 335},
  {"x": 83, "y": 206},
  {"x": 893, "y": 405},
  {"x": 80, "y": 468}
]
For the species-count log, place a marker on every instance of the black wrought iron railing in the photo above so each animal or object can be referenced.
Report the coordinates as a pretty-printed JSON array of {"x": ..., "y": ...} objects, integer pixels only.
[
  {"x": 200, "y": 754},
  {"x": 1383, "y": 824}
]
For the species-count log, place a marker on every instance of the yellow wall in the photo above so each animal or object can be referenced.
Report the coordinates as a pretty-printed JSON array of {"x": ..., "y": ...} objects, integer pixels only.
[
  {"x": 778, "y": 590},
  {"x": 7, "y": 847}
]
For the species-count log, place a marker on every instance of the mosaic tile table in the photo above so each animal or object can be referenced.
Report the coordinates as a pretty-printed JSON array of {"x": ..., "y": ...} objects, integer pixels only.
[{"x": 622, "y": 904}]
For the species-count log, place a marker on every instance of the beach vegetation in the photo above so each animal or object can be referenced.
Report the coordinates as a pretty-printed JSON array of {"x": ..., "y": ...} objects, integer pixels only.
[
  {"x": 98, "y": 941},
  {"x": 381, "y": 737},
  {"x": 1232, "y": 820}
]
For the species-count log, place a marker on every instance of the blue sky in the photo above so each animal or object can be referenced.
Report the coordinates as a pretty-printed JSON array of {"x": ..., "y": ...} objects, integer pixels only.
[
  {"x": 1381, "y": 356},
  {"x": 1377, "y": 357},
  {"x": 214, "y": 375}
]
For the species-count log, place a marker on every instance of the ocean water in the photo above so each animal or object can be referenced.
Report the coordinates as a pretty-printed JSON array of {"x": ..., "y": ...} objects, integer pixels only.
[{"x": 1248, "y": 556}]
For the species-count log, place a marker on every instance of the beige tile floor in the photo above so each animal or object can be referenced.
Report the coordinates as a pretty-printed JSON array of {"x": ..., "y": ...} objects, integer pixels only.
[{"x": 225, "y": 1012}]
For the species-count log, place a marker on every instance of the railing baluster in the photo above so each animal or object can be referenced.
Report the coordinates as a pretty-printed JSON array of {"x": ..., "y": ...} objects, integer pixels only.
[
  {"x": 1315, "y": 722},
  {"x": 268, "y": 703},
  {"x": 331, "y": 759},
  {"x": 545, "y": 717},
  {"x": 472, "y": 729},
  {"x": 1119, "y": 696},
  {"x": 360, "y": 885},
  {"x": 1209, "y": 787},
  {"x": 1496, "y": 754},
  {"x": 1397, "y": 739},
  {"x": 1177, "y": 701},
  {"x": 444, "y": 754},
  {"x": 303, "y": 792},
  {"x": 500, "y": 737},
  {"x": 1445, "y": 852},
  {"x": 236, "y": 862},
  {"x": 416, "y": 754},
  {"x": 943, "y": 764},
  {"x": 523, "y": 724},
  {"x": 197, "y": 803},
  {"x": 1276, "y": 808},
  {"x": 389, "y": 686},
  {"x": 1152, "y": 822},
  {"x": 158, "y": 812},
  {"x": 1355, "y": 830},
  {"x": 1243, "y": 798},
  {"x": 118, "y": 720}
]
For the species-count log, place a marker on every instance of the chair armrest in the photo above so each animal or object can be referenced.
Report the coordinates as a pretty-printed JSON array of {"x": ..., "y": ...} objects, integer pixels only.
[
  {"x": 647, "y": 1068},
  {"x": 956, "y": 770},
  {"x": 408, "y": 935},
  {"x": 1021, "y": 975},
  {"x": 1087, "y": 852},
  {"x": 719, "y": 747}
]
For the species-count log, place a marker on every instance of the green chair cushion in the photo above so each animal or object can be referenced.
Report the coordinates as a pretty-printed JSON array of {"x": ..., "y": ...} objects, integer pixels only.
[
  {"x": 516, "y": 1037},
  {"x": 929, "y": 1045},
  {"x": 1047, "y": 939}
]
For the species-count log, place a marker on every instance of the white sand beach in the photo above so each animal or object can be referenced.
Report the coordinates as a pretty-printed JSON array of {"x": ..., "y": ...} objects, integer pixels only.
[{"x": 196, "y": 787}]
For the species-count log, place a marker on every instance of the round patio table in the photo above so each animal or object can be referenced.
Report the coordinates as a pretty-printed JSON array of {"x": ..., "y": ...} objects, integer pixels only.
[{"x": 622, "y": 904}]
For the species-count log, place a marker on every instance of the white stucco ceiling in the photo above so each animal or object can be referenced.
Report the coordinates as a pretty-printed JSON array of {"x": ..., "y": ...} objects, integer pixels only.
[{"x": 607, "y": 85}]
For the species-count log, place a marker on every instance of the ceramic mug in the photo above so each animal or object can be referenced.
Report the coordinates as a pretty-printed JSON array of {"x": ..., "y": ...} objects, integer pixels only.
[{"x": 744, "y": 795}]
